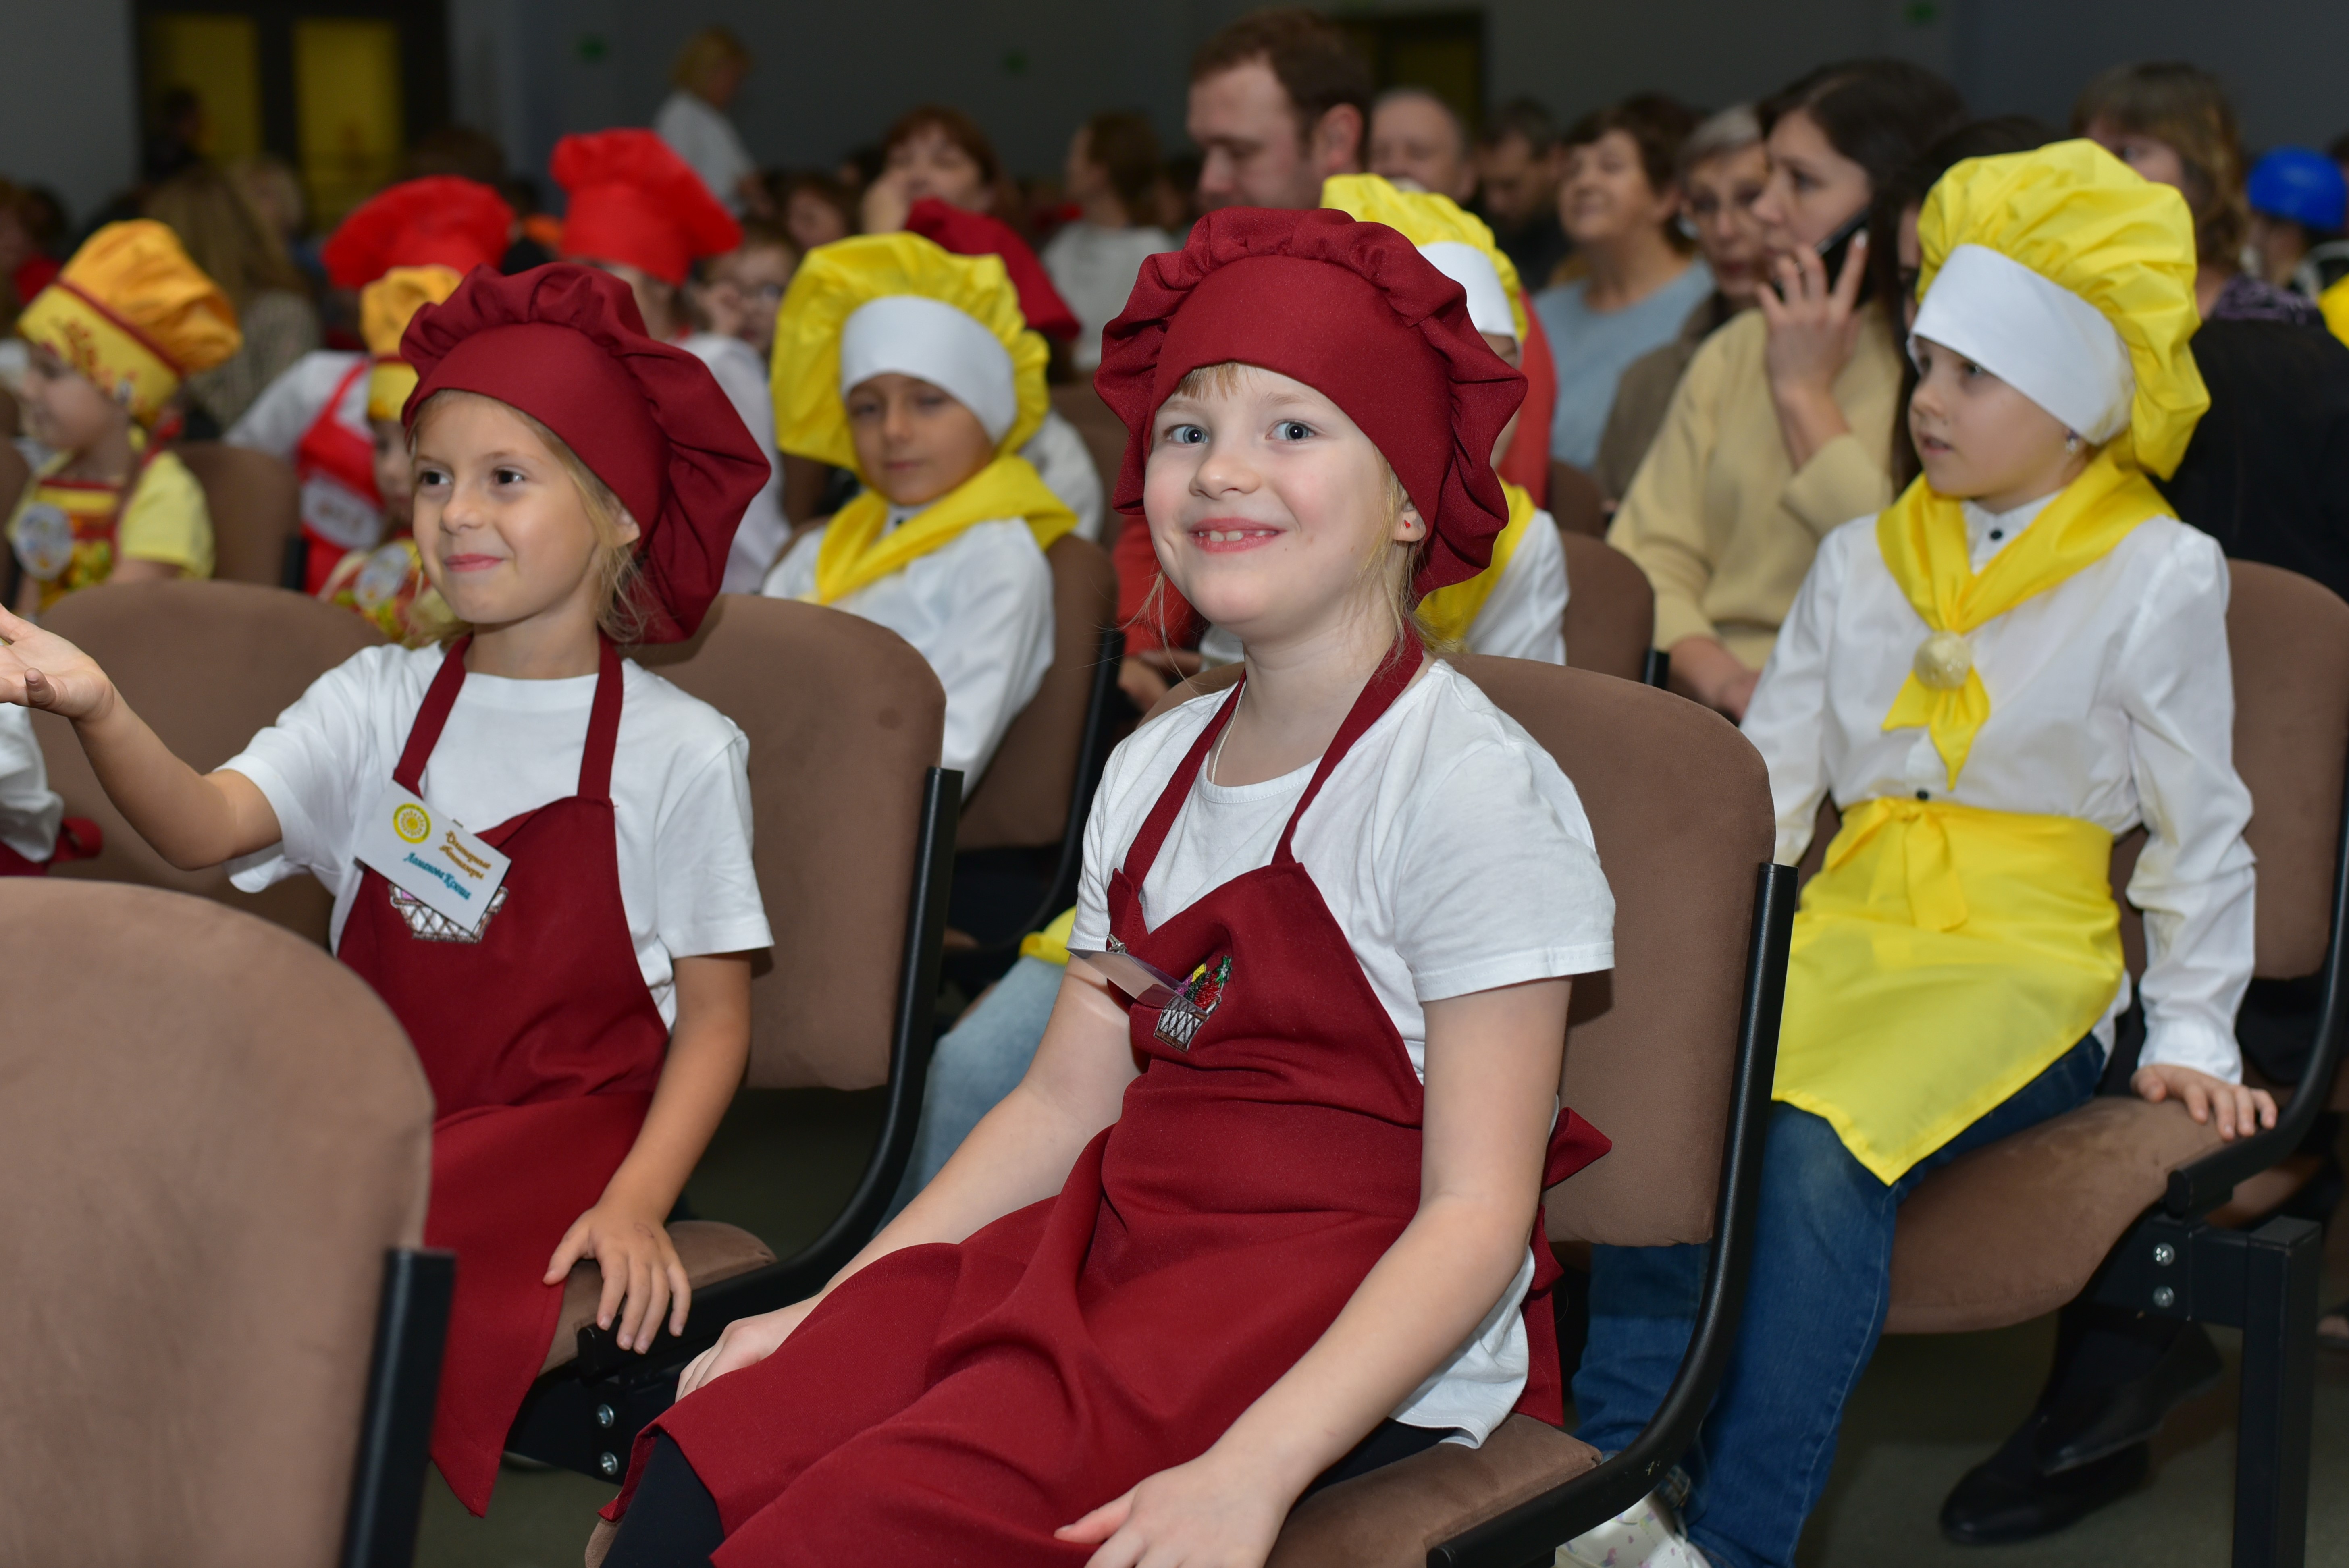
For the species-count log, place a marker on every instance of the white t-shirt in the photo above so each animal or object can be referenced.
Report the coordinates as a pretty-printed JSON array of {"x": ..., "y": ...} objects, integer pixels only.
[
  {"x": 735, "y": 366},
  {"x": 1454, "y": 856},
  {"x": 978, "y": 609},
  {"x": 29, "y": 810},
  {"x": 1094, "y": 268},
  {"x": 1065, "y": 464},
  {"x": 1524, "y": 617},
  {"x": 681, "y": 790},
  {"x": 700, "y": 133}
]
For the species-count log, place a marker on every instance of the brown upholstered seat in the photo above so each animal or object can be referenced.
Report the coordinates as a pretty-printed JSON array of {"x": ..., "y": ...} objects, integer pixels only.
[
  {"x": 15, "y": 473},
  {"x": 1024, "y": 798},
  {"x": 1610, "y": 609},
  {"x": 256, "y": 509},
  {"x": 1961, "y": 1261},
  {"x": 845, "y": 720},
  {"x": 207, "y": 665},
  {"x": 1575, "y": 501},
  {"x": 11, "y": 418},
  {"x": 1104, "y": 435},
  {"x": 1393, "y": 1516},
  {"x": 212, "y": 1133}
]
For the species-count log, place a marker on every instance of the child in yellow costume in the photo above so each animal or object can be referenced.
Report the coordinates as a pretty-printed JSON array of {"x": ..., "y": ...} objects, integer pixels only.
[
  {"x": 2023, "y": 657},
  {"x": 112, "y": 337},
  {"x": 914, "y": 368}
]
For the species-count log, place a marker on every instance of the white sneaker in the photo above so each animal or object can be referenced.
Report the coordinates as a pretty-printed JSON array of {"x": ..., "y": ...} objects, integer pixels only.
[{"x": 1647, "y": 1535}]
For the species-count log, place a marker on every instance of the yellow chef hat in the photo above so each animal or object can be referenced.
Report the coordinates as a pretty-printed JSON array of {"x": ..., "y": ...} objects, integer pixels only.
[
  {"x": 881, "y": 302},
  {"x": 2015, "y": 246},
  {"x": 1448, "y": 236},
  {"x": 386, "y": 308},
  {"x": 133, "y": 314}
]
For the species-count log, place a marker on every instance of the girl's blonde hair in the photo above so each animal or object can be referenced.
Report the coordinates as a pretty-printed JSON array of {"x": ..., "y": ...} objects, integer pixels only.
[
  {"x": 704, "y": 55},
  {"x": 618, "y": 614},
  {"x": 1393, "y": 562}
]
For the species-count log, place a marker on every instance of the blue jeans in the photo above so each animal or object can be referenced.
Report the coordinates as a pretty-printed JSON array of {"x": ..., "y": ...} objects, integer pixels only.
[
  {"x": 1815, "y": 1307},
  {"x": 976, "y": 1063}
]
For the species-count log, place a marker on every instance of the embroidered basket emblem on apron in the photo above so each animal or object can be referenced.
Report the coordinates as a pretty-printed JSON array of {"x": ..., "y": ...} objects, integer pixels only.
[
  {"x": 1178, "y": 1024},
  {"x": 429, "y": 924}
]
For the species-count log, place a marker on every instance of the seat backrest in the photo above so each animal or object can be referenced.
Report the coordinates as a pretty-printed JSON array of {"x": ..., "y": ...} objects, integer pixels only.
[
  {"x": 15, "y": 473},
  {"x": 207, "y": 665},
  {"x": 1575, "y": 501},
  {"x": 845, "y": 721},
  {"x": 256, "y": 504},
  {"x": 11, "y": 418},
  {"x": 1678, "y": 804},
  {"x": 1104, "y": 435},
  {"x": 1023, "y": 797},
  {"x": 213, "y": 1132},
  {"x": 1610, "y": 609}
]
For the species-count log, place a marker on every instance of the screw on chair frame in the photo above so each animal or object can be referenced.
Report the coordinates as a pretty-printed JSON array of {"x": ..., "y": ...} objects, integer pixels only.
[
  {"x": 584, "y": 1416},
  {"x": 1530, "y": 1532}
]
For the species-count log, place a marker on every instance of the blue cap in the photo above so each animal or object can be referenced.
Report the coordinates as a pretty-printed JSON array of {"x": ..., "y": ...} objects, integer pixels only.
[{"x": 2302, "y": 185}]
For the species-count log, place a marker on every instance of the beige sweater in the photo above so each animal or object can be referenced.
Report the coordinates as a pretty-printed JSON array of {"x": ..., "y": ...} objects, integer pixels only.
[{"x": 1717, "y": 517}]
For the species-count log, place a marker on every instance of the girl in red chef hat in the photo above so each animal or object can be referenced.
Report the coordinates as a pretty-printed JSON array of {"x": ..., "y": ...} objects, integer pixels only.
[
  {"x": 1257, "y": 1218},
  {"x": 641, "y": 213},
  {"x": 317, "y": 415},
  {"x": 540, "y": 852}
]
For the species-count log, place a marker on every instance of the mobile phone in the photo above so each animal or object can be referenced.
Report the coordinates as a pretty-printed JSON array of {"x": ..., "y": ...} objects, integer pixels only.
[{"x": 1836, "y": 247}]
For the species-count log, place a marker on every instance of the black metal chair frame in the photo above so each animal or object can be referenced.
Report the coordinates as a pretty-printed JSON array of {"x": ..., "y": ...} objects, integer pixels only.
[
  {"x": 584, "y": 1415},
  {"x": 1529, "y": 1533},
  {"x": 411, "y": 1323}
]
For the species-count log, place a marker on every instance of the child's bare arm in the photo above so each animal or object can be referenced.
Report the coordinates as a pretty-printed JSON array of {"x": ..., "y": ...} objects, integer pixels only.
[
  {"x": 624, "y": 1233},
  {"x": 193, "y": 819},
  {"x": 1492, "y": 1072}
]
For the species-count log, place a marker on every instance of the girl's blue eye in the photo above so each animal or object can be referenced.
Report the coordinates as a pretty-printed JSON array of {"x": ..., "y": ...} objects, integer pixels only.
[
  {"x": 1185, "y": 435},
  {"x": 1292, "y": 430}
]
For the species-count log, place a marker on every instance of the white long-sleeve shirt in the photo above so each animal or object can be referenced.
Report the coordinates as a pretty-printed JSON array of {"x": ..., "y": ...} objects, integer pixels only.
[
  {"x": 701, "y": 134},
  {"x": 29, "y": 810},
  {"x": 1065, "y": 464},
  {"x": 734, "y": 365},
  {"x": 978, "y": 609},
  {"x": 2112, "y": 700}
]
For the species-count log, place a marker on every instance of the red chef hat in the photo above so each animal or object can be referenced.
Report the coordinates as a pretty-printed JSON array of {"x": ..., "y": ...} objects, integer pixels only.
[
  {"x": 565, "y": 345},
  {"x": 635, "y": 201},
  {"x": 977, "y": 234},
  {"x": 439, "y": 221},
  {"x": 1356, "y": 313}
]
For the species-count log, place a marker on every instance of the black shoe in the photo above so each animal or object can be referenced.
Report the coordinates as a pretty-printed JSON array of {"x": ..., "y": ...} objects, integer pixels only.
[
  {"x": 2006, "y": 1499},
  {"x": 2097, "y": 1423}
]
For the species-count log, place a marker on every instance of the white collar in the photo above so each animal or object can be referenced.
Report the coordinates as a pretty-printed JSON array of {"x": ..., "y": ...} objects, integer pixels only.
[{"x": 2000, "y": 529}]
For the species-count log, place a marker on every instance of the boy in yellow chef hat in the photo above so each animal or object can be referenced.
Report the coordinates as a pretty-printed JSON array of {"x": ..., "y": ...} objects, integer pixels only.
[
  {"x": 387, "y": 584},
  {"x": 914, "y": 368},
  {"x": 2025, "y": 657},
  {"x": 112, "y": 337}
]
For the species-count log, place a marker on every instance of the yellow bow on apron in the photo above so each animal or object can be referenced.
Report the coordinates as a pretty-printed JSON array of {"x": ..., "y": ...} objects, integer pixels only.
[
  {"x": 1450, "y": 612},
  {"x": 1945, "y": 955},
  {"x": 855, "y": 553}
]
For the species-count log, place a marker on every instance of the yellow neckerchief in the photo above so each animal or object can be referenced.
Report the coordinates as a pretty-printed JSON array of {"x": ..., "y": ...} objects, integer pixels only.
[
  {"x": 854, "y": 553},
  {"x": 1450, "y": 612},
  {"x": 1923, "y": 538}
]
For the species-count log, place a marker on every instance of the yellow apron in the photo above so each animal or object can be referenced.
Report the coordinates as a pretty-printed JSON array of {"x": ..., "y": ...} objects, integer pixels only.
[
  {"x": 1450, "y": 612},
  {"x": 854, "y": 553},
  {"x": 1945, "y": 955}
]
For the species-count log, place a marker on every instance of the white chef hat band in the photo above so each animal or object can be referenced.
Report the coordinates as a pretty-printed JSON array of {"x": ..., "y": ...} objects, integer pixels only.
[
  {"x": 912, "y": 334},
  {"x": 1472, "y": 270},
  {"x": 2034, "y": 335}
]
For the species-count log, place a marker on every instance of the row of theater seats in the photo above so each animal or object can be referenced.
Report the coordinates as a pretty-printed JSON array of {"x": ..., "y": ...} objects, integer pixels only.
[{"x": 229, "y": 1133}]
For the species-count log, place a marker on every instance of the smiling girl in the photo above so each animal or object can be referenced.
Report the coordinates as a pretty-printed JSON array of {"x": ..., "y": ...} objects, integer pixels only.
[
  {"x": 2021, "y": 659},
  {"x": 1261, "y": 1224},
  {"x": 583, "y": 1030}
]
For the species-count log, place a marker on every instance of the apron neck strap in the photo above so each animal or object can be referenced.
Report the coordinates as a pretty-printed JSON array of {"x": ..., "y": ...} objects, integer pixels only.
[{"x": 603, "y": 721}]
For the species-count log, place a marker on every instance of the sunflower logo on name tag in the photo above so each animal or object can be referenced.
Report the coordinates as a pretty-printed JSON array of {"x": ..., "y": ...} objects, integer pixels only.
[{"x": 1194, "y": 1004}]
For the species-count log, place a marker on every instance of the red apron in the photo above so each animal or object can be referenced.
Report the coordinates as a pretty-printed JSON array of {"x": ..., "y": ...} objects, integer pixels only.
[
  {"x": 543, "y": 1046},
  {"x": 960, "y": 1403},
  {"x": 341, "y": 508}
]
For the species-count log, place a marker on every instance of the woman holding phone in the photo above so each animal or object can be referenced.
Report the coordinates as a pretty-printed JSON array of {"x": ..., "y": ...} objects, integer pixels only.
[{"x": 1782, "y": 427}]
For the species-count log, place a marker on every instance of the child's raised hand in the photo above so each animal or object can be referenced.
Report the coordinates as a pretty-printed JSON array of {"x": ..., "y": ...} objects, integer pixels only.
[
  {"x": 40, "y": 669},
  {"x": 1201, "y": 1514},
  {"x": 2238, "y": 1110},
  {"x": 641, "y": 1274}
]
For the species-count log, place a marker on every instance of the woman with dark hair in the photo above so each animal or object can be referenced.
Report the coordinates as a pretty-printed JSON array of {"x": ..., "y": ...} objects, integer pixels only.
[
  {"x": 1779, "y": 430},
  {"x": 1620, "y": 204},
  {"x": 2171, "y": 122},
  {"x": 936, "y": 150},
  {"x": 1112, "y": 175}
]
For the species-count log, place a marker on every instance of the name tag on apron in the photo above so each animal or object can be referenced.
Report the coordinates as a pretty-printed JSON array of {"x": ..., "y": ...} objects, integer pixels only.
[
  {"x": 340, "y": 514},
  {"x": 428, "y": 856}
]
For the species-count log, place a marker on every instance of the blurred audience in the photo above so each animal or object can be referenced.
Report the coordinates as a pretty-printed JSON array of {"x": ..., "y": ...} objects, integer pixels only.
[
  {"x": 2299, "y": 199},
  {"x": 1418, "y": 142},
  {"x": 816, "y": 207},
  {"x": 936, "y": 149},
  {"x": 1519, "y": 164},
  {"x": 1112, "y": 175},
  {"x": 1278, "y": 103},
  {"x": 737, "y": 294},
  {"x": 707, "y": 74},
  {"x": 232, "y": 244}
]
